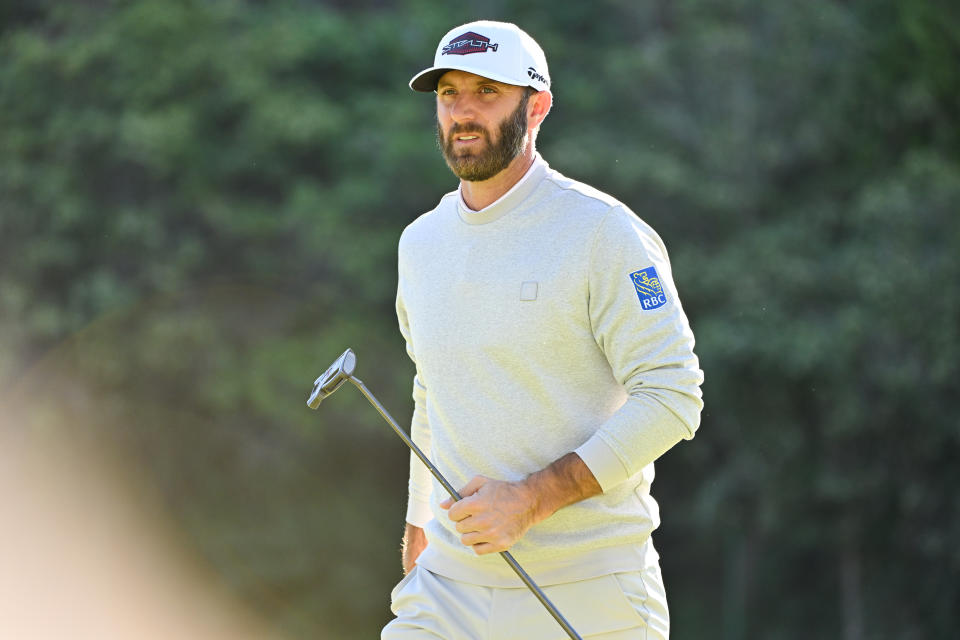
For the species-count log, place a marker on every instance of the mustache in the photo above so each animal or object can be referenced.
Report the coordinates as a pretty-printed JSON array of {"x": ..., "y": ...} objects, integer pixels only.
[{"x": 469, "y": 129}]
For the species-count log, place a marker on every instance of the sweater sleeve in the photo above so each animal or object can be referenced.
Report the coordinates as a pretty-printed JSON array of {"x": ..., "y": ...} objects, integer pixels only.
[
  {"x": 420, "y": 482},
  {"x": 640, "y": 326}
]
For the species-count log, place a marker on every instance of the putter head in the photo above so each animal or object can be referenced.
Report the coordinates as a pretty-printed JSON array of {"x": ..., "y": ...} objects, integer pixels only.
[{"x": 338, "y": 373}]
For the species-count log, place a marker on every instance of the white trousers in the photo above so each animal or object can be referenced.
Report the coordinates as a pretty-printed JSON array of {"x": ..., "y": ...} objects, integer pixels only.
[{"x": 621, "y": 606}]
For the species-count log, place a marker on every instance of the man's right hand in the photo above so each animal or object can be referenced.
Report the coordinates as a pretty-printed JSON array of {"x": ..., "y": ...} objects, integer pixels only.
[{"x": 414, "y": 542}]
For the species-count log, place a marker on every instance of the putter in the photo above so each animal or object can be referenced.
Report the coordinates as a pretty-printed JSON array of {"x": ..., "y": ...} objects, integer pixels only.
[{"x": 341, "y": 371}]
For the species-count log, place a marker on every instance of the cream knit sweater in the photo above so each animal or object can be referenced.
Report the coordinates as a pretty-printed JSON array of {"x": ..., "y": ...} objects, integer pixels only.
[{"x": 546, "y": 323}]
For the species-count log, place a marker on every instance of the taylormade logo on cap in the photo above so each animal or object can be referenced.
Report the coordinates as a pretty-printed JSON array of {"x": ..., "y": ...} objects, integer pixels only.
[{"x": 500, "y": 51}]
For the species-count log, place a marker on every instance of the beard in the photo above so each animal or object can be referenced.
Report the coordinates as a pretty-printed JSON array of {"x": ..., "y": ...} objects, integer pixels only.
[{"x": 476, "y": 166}]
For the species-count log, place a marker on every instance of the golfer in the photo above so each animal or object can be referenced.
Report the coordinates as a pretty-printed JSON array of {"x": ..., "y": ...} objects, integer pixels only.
[{"x": 554, "y": 364}]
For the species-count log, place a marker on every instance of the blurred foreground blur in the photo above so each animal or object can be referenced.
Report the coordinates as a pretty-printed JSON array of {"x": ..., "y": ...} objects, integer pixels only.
[
  {"x": 162, "y": 476},
  {"x": 86, "y": 554}
]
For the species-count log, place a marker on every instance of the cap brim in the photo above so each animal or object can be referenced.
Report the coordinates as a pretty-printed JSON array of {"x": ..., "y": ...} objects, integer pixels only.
[{"x": 427, "y": 79}]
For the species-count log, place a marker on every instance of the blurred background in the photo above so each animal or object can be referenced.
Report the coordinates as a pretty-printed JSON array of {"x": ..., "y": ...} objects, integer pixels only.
[{"x": 199, "y": 210}]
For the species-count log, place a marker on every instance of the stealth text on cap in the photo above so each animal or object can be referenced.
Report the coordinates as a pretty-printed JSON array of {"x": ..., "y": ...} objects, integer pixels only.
[{"x": 469, "y": 42}]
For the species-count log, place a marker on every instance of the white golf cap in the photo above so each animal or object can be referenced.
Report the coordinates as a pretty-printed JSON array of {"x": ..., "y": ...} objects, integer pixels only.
[{"x": 497, "y": 50}]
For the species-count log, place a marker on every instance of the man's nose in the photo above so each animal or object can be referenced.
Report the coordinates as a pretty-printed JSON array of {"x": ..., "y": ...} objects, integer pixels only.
[{"x": 463, "y": 109}]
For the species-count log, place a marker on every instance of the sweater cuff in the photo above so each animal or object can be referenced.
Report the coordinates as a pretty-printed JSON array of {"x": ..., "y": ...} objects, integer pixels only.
[
  {"x": 418, "y": 513},
  {"x": 602, "y": 462}
]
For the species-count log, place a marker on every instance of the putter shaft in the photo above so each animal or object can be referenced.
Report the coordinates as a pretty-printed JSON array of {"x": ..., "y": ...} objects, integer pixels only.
[{"x": 524, "y": 576}]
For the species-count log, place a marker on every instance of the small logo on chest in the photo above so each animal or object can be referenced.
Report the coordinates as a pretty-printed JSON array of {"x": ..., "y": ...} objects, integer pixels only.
[
  {"x": 649, "y": 289},
  {"x": 528, "y": 290}
]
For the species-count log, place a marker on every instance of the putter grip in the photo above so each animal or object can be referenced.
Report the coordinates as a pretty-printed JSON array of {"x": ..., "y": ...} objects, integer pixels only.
[{"x": 524, "y": 576}]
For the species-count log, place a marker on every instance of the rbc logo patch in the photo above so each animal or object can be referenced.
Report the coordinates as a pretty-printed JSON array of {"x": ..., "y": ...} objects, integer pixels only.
[{"x": 649, "y": 289}]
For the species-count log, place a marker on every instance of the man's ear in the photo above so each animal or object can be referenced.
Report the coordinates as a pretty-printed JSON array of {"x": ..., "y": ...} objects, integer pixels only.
[{"x": 539, "y": 107}]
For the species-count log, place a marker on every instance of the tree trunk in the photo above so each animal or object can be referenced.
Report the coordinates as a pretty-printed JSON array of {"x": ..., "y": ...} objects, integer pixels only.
[{"x": 850, "y": 592}]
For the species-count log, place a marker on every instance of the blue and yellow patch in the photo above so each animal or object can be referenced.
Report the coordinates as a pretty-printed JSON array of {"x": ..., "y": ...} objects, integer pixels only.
[{"x": 649, "y": 288}]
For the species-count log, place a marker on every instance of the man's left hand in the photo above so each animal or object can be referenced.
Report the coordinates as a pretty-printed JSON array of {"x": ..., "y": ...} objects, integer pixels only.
[{"x": 493, "y": 514}]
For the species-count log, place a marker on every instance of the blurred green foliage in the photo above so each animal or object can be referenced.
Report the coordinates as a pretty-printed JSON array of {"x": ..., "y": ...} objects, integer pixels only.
[{"x": 199, "y": 209}]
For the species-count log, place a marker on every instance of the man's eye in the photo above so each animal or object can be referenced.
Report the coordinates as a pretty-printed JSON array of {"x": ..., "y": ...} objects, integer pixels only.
[
  {"x": 447, "y": 92},
  {"x": 487, "y": 90}
]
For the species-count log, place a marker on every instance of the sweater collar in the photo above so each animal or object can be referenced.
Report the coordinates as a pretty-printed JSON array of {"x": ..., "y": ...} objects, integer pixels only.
[{"x": 508, "y": 201}]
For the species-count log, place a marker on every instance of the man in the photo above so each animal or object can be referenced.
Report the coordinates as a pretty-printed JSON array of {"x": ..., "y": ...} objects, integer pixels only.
[{"x": 554, "y": 364}]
